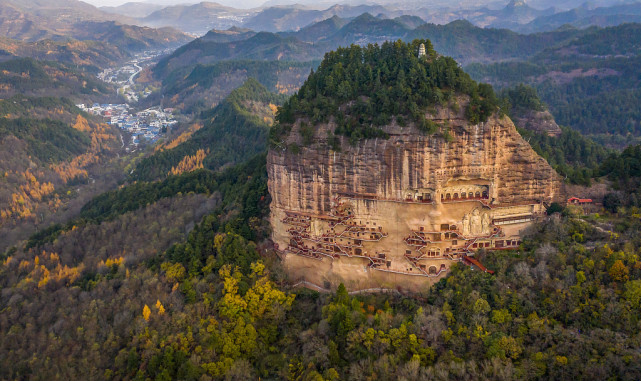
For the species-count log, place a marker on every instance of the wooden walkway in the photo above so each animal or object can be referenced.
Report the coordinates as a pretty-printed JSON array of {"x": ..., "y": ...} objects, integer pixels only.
[{"x": 472, "y": 261}]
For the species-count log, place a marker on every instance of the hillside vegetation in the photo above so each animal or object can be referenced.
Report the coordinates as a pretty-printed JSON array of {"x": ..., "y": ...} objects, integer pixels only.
[
  {"x": 590, "y": 83},
  {"x": 561, "y": 64},
  {"x": 30, "y": 77},
  {"x": 197, "y": 88},
  {"x": 362, "y": 89},
  {"x": 52, "y": 158},
  {"x": 232, "y": 131},
  {"x": 171, "y": 276},
  {"x": 568, "y": 297}
]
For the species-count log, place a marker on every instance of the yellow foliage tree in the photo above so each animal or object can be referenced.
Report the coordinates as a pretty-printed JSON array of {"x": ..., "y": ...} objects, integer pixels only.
[
  {"x": 619, "y": 272},
  {"x": 159, "y": 306},
  {"x": 237, "y": 332},
  {"x": 174, "y": 272},
  {"x": 510, "y": 346},
  {"x": 181, "y": 138},
  {"x": 189, "y": 163},
  {"x": 146, "y": 312},
  {"x": 81, "y": 124}
]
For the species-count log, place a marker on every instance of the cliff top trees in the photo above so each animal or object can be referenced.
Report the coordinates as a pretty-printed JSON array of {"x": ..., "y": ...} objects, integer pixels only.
[{"x": 363, "y": 88}]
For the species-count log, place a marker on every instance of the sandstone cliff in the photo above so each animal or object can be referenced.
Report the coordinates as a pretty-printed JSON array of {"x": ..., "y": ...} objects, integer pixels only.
[
  {"x": 375, "y": 183},
  {"x": 492, "y": 151},
  {"x": 398, "y": 212}
]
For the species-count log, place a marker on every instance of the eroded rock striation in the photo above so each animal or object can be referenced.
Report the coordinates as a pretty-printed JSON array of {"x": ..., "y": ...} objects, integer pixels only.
[{"x": 400, "y": 211}]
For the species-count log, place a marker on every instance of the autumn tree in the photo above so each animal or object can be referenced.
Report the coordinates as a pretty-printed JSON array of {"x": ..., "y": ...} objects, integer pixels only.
[
  {"x": 146, "y": 312},
  {"x": 619, "y": 272}
]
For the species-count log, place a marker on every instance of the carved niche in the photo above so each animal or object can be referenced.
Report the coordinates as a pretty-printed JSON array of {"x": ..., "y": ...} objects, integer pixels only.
[{"x": 475, "y": 223}]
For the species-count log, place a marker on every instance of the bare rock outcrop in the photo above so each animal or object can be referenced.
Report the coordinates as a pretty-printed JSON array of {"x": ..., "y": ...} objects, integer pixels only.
[
  {"x": 399, "y": 211},
  {"x": 541, "y": 122}
]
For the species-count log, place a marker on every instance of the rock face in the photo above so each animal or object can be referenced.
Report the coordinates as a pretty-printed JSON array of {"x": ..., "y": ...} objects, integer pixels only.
[
  {"x": 541, "y": 122},
  {"x": 399, "y": 212}
]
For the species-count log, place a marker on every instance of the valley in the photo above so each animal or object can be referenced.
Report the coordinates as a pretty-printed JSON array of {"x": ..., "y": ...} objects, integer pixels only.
[
  {"x": 123, "y": 76},
  {"x": 144, "y": 126}
]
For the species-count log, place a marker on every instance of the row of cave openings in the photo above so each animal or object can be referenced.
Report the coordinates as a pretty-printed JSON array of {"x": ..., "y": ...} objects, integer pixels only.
[
  {"x": 465, "y": 196},
  {"x": 427, "y": 197}
]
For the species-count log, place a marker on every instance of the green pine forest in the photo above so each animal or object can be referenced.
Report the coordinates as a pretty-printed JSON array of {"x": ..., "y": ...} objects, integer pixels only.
[
  {"x": 590, "y": 83},
  {"x": 361, "y": 89}
]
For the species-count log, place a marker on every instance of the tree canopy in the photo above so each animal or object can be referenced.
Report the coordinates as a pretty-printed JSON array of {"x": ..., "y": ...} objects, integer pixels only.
[{"x": 363, "y": 88}]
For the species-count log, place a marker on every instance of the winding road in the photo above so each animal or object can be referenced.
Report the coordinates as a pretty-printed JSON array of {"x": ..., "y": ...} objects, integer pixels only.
[{"x": 131, "y": 78}]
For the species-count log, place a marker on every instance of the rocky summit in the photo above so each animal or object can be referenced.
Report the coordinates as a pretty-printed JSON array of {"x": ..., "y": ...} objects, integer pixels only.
[{"x": 398, "y": 208}]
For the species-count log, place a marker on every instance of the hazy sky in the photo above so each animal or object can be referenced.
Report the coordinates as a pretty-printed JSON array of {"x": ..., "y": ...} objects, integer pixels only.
[
  {"x": 541, "y": 4},
  {"x": 237, "y": 3}
]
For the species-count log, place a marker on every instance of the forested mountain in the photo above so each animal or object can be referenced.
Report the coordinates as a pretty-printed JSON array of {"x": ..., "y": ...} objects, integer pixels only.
[
  {"x": 364, "y": 89},
  {"x": 32, "y": 20},
  {"x": 467, "y": 43},
  {"x": 624, "y": 170},
  {"x": 193, "y": 73},
  {"x": 366, "y": 29},
  {"x": 37, "y": 78},
  {"x": 103, "y": 45},
  {"x": 291, "y": 18},
  {"x": 591, "y": 83},
  {"x": 561, "y": 64},
  {"x": 129, "y": 37},
  {"x": 528, "y": 111},
  {"x": 228, "y": 35},
  {"x": 196, "y": 88},
  {"x": 74, "y": 32},
  {"x": 171, "y": 275},
  {"x": 88, "y": 55},
  {"x": 459, "y": 39},
  {"x": 229, "y": 133},
  {"x": 321, "y": 30},
  {"x": 52, "y": 157},
  {"x": 585, "y": 16},
  {"x": 261, "y": 46}
]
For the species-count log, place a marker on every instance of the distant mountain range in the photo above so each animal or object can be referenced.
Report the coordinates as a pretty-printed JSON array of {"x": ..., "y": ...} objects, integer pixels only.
[
  {"x": 35, "y": 20},
  {"x": 202, "y": 17},
  {"x": 277, "y": 19},
  {"x": 201, "y": 73},
  {"x": 460, "y": 39},
  {"x": 196, "y": 18},
  {"x": 133, "y": 9},
  {"x": 517, "y": 15},
  {"x": 585, "y": 16},
  {"x": 74, "y": 32}
]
